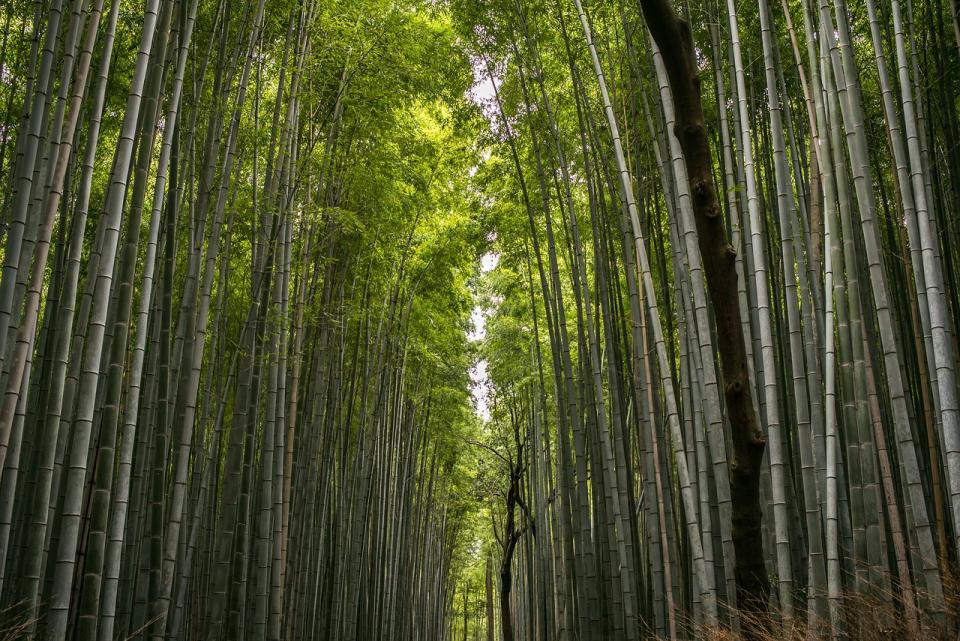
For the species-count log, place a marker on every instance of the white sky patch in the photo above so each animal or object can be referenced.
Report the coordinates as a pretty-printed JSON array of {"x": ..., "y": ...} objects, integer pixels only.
[
  {"x": 489, "y": 262},
  {"x": 483, "y": 92},
  {"x": 480, "y": 385},
  {"x": 479, "y": 319}
]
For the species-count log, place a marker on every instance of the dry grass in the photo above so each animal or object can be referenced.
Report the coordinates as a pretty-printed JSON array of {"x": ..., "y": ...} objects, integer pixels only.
[
  {"x": 878, "y": 615},
  {"x": 16, "y": 626},
  {"x": 14, "y": 622}
]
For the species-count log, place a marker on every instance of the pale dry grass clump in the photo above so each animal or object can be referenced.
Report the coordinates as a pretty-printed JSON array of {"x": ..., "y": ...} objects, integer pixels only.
[
  {"x": 14, "y": 624},
  {"x": 878, "y": 615}
]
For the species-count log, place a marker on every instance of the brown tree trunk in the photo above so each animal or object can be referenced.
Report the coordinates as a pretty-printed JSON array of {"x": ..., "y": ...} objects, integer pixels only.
[
  {"x": 490, "y": 624},
  {"x": 506, "y": 581},
  {"x": 675, "y": 41},
  {"x": 511, "y": 538}
]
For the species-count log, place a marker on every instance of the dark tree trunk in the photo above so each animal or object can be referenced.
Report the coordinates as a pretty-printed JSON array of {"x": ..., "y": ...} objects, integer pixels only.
[
  {"x": 512, "y": 536},
  {"x": 489, "y": 590},
  {"x": 506, "y": 580},
  {"x": 675, "y": 41}
]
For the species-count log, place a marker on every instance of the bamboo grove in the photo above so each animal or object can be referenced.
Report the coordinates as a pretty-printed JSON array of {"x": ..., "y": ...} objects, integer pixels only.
[
  {"x": 236, "y": 255},
  {"x": 722, "y": 333},
  {"x": 501, "y": 319}
]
